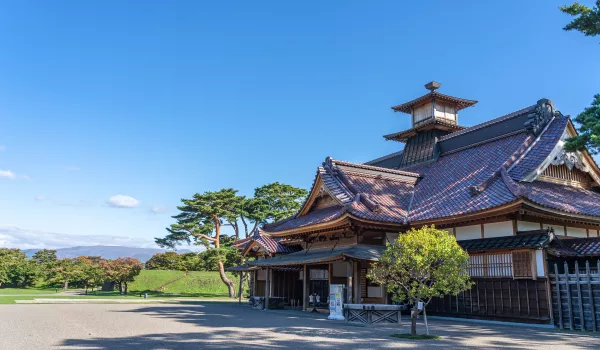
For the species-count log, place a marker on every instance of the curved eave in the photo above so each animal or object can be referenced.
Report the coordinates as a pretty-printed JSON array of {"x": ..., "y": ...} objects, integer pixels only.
[
  {"x": 461, "y": 103},
  {"x": 344, "y": 220}
]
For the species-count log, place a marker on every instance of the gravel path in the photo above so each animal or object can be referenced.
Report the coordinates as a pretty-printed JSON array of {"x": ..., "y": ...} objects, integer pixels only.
[{"x": 214, "y": 325}]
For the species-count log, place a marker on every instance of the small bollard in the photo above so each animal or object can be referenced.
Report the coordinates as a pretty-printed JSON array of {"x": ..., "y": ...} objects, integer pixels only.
[{"x": 145, "y": 295}]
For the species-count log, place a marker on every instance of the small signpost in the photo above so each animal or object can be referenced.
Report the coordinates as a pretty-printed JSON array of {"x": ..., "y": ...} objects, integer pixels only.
[
  {"x": 420, "y": 307},
  {"x": 336, "y": 292}
]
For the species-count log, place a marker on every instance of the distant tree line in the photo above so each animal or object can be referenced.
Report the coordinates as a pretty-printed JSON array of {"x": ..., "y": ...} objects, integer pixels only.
[{"x": 46, "y": 270}]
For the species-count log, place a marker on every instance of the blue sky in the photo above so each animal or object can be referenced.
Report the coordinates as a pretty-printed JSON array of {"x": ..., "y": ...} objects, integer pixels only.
[{"x": 156, "y": 100}]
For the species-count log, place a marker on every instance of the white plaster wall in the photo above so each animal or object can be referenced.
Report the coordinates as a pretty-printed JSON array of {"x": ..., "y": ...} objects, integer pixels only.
[
  {"x": 498, "y": 229},
  {"x": 329, "y": 244},
  {"x": 527, "y": 226},
  {"x": 558, "y": 229},
  {"x": 539, "y": 262},
  {"x": 576, "y": 232},
  {"x": 468, "y": 232}
]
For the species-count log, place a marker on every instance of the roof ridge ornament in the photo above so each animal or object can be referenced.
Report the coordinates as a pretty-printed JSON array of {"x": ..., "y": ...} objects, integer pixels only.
[
  {"x": 544, "y": 112},
  {"x": 432, "y": 86}
]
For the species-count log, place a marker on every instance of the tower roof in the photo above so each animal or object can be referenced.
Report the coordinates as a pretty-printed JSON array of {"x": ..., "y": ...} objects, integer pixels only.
[{"x": 460, "y": 103}]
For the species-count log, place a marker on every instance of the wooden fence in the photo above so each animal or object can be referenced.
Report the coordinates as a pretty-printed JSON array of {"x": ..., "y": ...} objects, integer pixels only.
[
  {"x": 576, "y": 296},
  {"x": 508, "y": 299}
]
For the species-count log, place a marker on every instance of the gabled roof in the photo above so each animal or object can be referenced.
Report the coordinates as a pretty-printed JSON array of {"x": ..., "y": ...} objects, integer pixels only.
[
  {"x": 460, "y": 102},
  {"x": 271, "y": 245},
  {"x": 360, "y": 191}
]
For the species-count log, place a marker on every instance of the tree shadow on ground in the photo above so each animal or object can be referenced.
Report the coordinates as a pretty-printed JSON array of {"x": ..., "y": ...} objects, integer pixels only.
[{"x": 236, "y": 326}]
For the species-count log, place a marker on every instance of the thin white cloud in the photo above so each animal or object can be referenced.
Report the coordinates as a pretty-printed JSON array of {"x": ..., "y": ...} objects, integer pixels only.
[
  {"x": 121, "y": 201},
  {"x": 15, "y": 237},
  {"x": 7, "y": 174},
  {"x": 25, "y": 177},
  {"x": 39, "y": 198},
  {"x": 159, "y": 209},
  {"x": 2, "y": 148},
  {"x": 73, "y": 168}
]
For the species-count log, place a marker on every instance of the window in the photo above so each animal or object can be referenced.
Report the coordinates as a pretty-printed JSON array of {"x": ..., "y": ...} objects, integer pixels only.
[
  {"x": 522, "y": 264},
  {"x": 490, "y": 265},
  {"x": 515, "y": 264}
]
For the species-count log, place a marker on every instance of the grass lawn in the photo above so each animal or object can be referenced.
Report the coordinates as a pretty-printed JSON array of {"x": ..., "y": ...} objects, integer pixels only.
[
  {"x": 149, "y": 280},
  {"x": 197, "y": 284},
  {"x": 201, "y": 283},
  {"x": 4, "y": 291}
]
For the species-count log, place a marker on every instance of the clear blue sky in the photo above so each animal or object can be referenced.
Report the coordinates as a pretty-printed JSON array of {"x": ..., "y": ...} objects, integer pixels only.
[{"x": 159, "y": 100}]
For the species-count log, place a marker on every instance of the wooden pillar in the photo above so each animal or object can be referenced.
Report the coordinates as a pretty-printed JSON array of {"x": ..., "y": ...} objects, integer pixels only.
[
  {"x": 253, "y": 282},
  {"x": 356, "y": 281},
  {"x": 349, "y": 282},
  {"x": 267, "y": 288},
  {"x": 304, "y": 289},
  {"x": 240, "y": 290}
]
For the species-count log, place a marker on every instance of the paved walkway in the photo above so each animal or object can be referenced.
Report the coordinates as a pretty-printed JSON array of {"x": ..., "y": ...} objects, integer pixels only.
[{"x": 215, "y": 325}]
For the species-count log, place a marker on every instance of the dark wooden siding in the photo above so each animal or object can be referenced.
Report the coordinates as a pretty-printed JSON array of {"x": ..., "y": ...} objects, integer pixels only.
[{"x": 507, "y": 299}]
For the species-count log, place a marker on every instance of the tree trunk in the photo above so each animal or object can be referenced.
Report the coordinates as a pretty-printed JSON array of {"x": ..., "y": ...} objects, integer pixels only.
[
  {"x": 413, "y": 321},
  {"x": 120, "y": 288},
  {"x": 226, "y": 280},
  {"x": 66, "y": 285},
  {"x": 86, "y": 288},
  {"x": 125, "y": 288}
]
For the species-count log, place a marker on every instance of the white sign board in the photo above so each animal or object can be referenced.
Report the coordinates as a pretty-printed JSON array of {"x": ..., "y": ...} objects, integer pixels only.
[
  {"x": 336, "y": 293},
  {"x": 420, "y": 305}
]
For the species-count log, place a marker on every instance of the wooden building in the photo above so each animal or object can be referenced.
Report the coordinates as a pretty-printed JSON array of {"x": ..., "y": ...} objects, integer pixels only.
[{"x": 505, "y": 188}]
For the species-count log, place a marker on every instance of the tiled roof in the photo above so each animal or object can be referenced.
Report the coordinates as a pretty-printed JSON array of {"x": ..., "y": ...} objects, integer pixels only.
[
  {"x": 315, "y": 217},
  {"x": 576, "y": 247},
  {"x": 313, "y": 256},
  {"x": 564, "y": 198},
  {"x": 272, "y": 245},
  {"x": 461, "y": 102},
  {"x": 445, "y": 188},
  {"x": 402, "y": 135},
  {"x": 537, "y": 240},
  {"x": 540, "y": 149},
  {"x": 469, "y": 179},
  {"x": 364, "y": 191},
  {"x": 488, "y": 123}
]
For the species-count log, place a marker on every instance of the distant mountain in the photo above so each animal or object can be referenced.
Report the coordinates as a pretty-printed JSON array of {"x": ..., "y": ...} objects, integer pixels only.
[{"x": 107, "y": 252}]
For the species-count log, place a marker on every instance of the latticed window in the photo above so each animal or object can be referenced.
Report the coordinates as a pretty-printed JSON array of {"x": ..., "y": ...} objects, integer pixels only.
[
  {"x": 522, "y": 264},
  {"x": 515, "y": 264},
  {"x": 490, "y": 265}
]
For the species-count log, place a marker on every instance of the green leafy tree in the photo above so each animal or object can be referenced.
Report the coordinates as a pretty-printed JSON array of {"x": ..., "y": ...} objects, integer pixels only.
[
  {"x": 91, "y": 274},
  {"x": 272, "y": 202},
  {"x": 165, "y": 261},
  {"x": 200, "y": 220},
  {"x": 122, "y": 271},
  {"x": 420, "y": 265},
  {"x": 45, "y": 259},
  {"x": 44, "y": 256},
  {"x": 587, "y": 19},
  {"x": 18, "y": 270},
  {"x": 589, "y": 130},
  {"x": 63, "y": 272}
]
